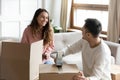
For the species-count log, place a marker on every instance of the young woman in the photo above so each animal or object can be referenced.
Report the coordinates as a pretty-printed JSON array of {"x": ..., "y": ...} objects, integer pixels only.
[{"x": 39, "y": 29}]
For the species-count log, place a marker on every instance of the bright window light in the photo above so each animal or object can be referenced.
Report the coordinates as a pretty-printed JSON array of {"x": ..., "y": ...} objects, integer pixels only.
[
  {"x": 92, "y": 1},
  {"x": 81, "y": 15}
]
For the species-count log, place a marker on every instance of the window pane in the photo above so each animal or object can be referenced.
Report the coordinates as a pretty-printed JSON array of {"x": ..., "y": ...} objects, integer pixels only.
[
  {"x": 10, "y": 29},
  {"x": 27, "y": 10},
  {"x": 23, "y": 26},
  {"x": 92, "y": 1},
  {"x": 10, "y": 8},
  {"x": 0, "y": 28},
  {"x": 81, "y": 15}
]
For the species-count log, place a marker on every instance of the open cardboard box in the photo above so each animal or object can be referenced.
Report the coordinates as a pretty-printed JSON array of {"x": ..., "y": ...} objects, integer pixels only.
[
  {"x": 20, "y": 61},
  {"x": 51, "y": 72}
]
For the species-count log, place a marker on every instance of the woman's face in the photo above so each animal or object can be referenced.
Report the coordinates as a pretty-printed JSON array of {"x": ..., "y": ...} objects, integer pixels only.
[{"x": 42, "y": 19}]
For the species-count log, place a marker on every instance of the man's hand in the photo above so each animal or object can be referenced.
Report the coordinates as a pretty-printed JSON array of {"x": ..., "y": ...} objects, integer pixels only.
[{"x": 80, "y": 76}]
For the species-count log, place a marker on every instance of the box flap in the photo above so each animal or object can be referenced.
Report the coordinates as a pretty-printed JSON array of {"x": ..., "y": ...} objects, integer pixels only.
[
  {"x": 20, "y": 51},
  {"x": 35, "y": 58},
  {"x": 48, "y": 68},
  {"x": 15, "y": 61},
  {"x": 70, "y": 68}
]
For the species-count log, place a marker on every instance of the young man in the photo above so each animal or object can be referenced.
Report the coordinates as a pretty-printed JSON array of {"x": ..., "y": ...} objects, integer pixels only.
[{"x": 95, "y": 53}]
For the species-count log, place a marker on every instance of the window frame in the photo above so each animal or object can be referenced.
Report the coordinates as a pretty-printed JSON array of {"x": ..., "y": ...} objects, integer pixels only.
[{"x": 76, "y": 6}]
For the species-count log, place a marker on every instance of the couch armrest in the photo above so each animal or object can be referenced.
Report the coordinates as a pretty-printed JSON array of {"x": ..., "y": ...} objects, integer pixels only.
[{"x": 115, "y": 51}]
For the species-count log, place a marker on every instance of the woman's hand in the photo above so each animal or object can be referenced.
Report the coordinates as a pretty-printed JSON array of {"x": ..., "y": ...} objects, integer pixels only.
[{"x": 45, "y": 56}]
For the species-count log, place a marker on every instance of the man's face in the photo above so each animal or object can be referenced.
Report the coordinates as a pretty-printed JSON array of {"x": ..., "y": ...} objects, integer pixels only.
[{"x": 85, "y": 33}]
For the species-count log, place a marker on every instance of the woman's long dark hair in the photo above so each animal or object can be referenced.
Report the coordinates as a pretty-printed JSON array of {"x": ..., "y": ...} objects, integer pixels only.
[{"x": 47, "y": 32}]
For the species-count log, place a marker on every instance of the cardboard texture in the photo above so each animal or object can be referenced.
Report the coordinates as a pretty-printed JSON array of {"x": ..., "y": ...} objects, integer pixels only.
[
  {"x": 20, "y": 61},
  {"x": 115, "y": 73},
  {"x": 51, "y": 72}
]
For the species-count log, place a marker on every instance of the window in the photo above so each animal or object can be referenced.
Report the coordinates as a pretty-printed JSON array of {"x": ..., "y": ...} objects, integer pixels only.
[
  {"x": 15, "y": 16},
  {"x": 82, "y": 9}
]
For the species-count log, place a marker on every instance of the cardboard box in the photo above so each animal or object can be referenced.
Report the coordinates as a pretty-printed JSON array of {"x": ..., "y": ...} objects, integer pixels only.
[
  {"x": 51, "y": 72},
  {"x": 115, "y": 72},
  {"x": 20, "y": 61}
]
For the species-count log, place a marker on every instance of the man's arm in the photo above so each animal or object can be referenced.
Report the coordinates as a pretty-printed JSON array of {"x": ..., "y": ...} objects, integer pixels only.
[{"x": 73, "y": 48}]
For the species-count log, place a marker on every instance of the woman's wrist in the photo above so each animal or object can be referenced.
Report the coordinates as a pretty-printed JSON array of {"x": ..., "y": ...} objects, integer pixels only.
[{"x": 87, "y": 78}]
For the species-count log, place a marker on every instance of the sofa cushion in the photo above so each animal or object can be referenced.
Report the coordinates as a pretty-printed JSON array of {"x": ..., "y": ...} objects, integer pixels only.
[
  {"x": 115, "y": 51},
  {"x": 63, "y": 39}
]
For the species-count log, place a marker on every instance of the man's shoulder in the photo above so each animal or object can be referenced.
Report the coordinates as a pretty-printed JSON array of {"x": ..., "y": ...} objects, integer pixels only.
[{"x": 104, "y": 47}]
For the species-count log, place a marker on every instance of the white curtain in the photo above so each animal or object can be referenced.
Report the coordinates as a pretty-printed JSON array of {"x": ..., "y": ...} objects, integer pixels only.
[
  {"x": 114, "y": 21},
  {"x": 65, "y": 14}
]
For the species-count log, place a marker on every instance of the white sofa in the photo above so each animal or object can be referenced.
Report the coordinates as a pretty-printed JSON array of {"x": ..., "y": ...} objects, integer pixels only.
[{"x": 64, "y": 39}]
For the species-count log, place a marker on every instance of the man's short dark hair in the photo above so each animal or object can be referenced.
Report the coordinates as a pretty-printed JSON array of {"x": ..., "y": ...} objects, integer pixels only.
[{"x": 93, "y": 26}]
